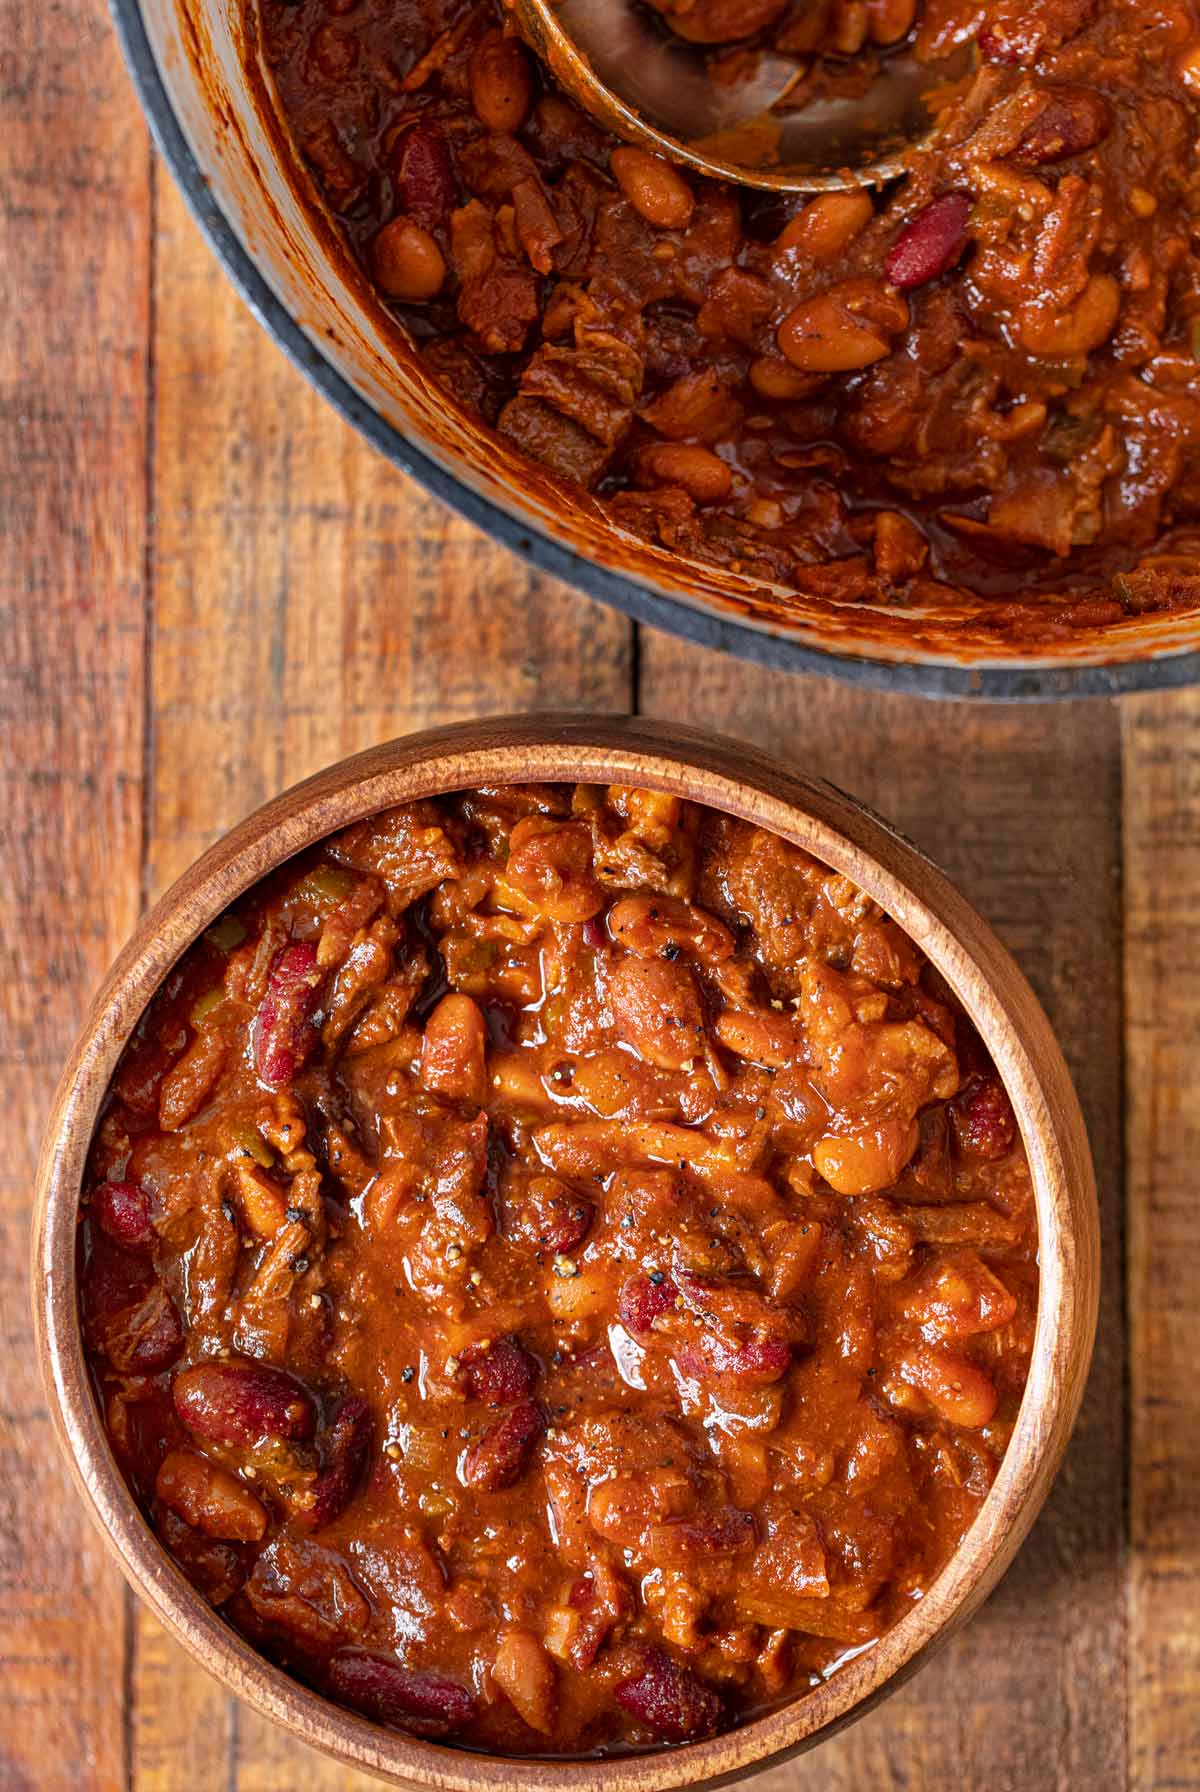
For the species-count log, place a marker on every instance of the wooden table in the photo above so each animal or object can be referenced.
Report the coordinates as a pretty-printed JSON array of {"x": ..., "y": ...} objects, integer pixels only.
[{"x": 210, "y": 587}]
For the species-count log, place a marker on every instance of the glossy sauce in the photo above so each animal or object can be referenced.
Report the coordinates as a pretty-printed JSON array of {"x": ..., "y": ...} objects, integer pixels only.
[
  {"x": 982, "y": 378},
  {"x": 558, "y": 1270}
]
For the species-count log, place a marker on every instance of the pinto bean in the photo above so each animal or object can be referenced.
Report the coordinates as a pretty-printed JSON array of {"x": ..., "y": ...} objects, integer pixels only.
[
  {"x": 454, "y": 1051},
  {"x": 550, "y": 864},
  {"x": 846, "y": 328},
  {"x": 656, "y": 1009},
  {"x": 501, "y": 83},
  {"x": 890, "y": 20},
  {"x": 1082, "y": 327},
  {"x": 955, "y": 1387},
  {"x": 660, "y": 926},
  {"x": 407, "y": 263},
  {"x": 209, "y": 1498},
  {"x": 958, "y": 1297},
  {"x": 861, "y": 1163},
  {"x": 827, "y": 225},
  {"x": 700, "y": 472},
  {"x": 525, "y": 1674},
  {"x": 655, "y": 190}
]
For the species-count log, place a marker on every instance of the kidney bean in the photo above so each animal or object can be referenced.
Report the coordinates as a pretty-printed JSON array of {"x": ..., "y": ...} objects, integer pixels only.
[
  {"x": 551, "y": 1217},
  {"x": 501, "y": 83},
  {"x": 930, "y": 243},
  {"x": 209, "y": 1498},
  {"x": 999, "y": 49},
  {"x": 501, "y": 1374},
  {"x": 243, "y": 1403},
  {"x": 1072, "y": 121},
  {"x": 282, "y": 1034},
  {"x": 407, "y": 263},
  {"x": 345, "y": 1455},
  {"x": 129, "y": 1315},
  {"x": 643, "y": 1300},
  {"x": 727, "y": 1532},
  {"x": 982, "y": 1119},
  {"x": 653, "y": 188},
  {"x": 670, "y": 1699},
  {"x": 154, "y": 1334},
  {"x": 757, "y": 1361},
  {"x": 217, "y": 1568},
  {"x": 380, "y": 1688},
  {"x": 594, "y": 934},
  {"x": 498, "y": 1458},
  {"x": 425, "y": 176},
  {"x": 122, "y": 1210}
]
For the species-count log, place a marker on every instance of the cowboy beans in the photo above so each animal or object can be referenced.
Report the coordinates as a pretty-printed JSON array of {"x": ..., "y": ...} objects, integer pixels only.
[
  {"x": 1031, "y": 412},
  {"x": 594, "y": 1292}
]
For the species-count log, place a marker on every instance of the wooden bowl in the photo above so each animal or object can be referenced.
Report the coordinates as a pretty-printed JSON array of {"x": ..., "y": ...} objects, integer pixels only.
[{"x": 835, "y": 830}]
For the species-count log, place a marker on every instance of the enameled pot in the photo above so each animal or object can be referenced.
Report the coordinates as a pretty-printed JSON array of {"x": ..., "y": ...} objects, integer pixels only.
[{"x": 197, "y": 70}]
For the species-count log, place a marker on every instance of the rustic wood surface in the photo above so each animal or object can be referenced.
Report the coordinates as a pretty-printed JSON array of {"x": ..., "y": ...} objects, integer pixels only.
[{"x": 209, "y": 588}]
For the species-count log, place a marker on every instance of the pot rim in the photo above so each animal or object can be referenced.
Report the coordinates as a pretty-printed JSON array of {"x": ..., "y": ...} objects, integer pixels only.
[
  {"x": 841, "y": 833},
  {"x": 757, "y": 642}
]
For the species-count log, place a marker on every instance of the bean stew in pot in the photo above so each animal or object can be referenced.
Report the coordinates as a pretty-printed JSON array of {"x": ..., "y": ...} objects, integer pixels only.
[
  {"x": 980, "y": 382},
  {"x": 558, "y": 1269}
]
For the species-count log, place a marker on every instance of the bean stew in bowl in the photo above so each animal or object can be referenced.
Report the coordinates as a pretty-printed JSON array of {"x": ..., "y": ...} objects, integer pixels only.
[{"x": 560, "y": 1269}]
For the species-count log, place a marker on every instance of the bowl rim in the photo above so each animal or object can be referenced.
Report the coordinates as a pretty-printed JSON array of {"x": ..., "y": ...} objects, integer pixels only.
[
  {"x": 842, "y": 833},
  {"x": 1009, "y": 683}
]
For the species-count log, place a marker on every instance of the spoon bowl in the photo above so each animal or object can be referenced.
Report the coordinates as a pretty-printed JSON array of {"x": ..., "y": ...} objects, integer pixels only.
[{"x": 655, "y": 90}]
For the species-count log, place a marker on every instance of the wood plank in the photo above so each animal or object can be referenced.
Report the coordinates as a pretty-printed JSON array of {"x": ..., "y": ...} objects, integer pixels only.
[
  {"x": 74, "y": 286},
  {"x": 307, "y": 601},
  {"x": 1022, "y": 808},
  {"x": 1161, "y": 736}
]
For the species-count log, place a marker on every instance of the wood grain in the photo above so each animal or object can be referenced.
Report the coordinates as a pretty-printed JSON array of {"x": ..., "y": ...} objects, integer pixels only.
[
  {"x": 74, "y": 286},
  {"x": 1022, "y": 809},
  {"x": 1084, "y": 1670},
  {"x": 1162, "y": 1009}
]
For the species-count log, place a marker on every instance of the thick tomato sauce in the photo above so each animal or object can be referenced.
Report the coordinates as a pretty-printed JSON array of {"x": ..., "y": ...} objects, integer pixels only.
[
  {"x": 982, "y": 377},
  {"x": 559, "y": 1271}
]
